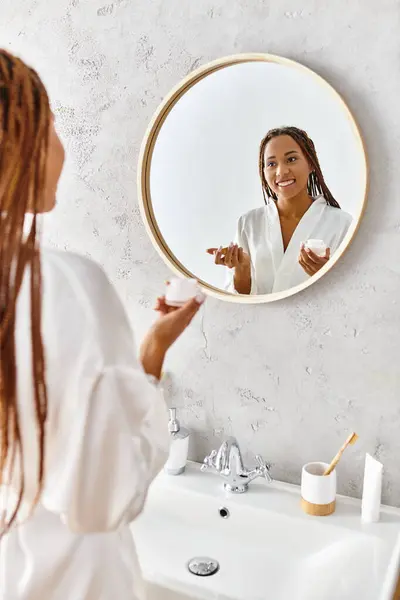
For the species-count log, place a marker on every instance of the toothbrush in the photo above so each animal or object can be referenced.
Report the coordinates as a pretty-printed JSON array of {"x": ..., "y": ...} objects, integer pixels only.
[{"x": 353, "y": 437}]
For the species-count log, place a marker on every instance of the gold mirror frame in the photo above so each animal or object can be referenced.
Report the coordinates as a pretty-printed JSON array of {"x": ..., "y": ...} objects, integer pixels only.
[{"x": 145, "y": 158}]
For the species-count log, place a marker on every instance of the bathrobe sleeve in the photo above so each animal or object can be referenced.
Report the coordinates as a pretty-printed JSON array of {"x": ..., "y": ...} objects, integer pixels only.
[{"x": 107, "y": 435}]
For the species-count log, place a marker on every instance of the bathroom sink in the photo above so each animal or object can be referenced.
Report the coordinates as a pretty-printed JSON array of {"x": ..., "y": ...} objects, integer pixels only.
[
  {"x": 156, "y": 592},
  {"x": 265, "y": 546}
]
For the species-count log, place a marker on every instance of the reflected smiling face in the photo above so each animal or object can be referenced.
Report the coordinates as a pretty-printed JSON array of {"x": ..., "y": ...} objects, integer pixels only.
[{"x": 286, "y": 167}]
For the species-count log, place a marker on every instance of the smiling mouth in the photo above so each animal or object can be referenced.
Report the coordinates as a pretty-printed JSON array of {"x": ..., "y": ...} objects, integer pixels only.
[{"x": 286, "y": 183}]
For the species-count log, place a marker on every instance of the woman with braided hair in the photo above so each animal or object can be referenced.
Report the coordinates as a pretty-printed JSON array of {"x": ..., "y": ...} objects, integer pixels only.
[
  {"x": 83, "y": 426},
  {"x": 269, "y": 253}
]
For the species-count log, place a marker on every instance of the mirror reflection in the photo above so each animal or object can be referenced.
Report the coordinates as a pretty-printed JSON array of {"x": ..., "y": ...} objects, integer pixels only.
[
  {"x": 257, "y": 177},
  {"x": 281, "y": 244}
]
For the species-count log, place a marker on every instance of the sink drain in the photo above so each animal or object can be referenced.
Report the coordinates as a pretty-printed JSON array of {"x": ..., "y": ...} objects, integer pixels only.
[{"x": 203, "y": 567}]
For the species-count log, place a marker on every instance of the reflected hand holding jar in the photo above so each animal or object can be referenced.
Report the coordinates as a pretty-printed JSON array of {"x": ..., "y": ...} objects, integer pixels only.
[{"x": 310, "y": 261}]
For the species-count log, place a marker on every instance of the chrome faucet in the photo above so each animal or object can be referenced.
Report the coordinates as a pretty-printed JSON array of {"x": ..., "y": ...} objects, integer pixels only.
[{"x": 228, "y": 463}]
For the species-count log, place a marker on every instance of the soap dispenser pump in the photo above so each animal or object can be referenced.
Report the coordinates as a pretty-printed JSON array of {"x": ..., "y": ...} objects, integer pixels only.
[{"x": 179, "y": 447}]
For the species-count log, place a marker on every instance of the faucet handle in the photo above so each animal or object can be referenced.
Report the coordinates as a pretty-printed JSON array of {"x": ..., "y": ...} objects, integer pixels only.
[
  {"x": 264, "y": 468},
  {"x": 209, "y": 461}
]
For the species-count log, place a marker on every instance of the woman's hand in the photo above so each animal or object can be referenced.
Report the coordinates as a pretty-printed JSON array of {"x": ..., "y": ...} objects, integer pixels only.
[
  {"x": 171, "y": 323},
  {"x": 234, "y": 257},
  {"x": 310, "y": 262}
]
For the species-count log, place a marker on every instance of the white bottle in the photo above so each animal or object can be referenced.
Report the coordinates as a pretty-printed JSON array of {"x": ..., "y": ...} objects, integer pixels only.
[
  {"x": 316, "y": 246},
  {"x": 179, "y": 447},
  {"x": 372, "y": 490}
]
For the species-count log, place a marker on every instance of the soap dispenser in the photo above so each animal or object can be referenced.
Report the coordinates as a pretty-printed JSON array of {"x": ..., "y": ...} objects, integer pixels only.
[{"x": 179, "y": 446}]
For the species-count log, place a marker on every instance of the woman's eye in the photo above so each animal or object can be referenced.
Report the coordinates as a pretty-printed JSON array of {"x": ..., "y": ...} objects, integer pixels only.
[
  {"x": 292, "y": 159},
  {"x": 270, "y": 164}
]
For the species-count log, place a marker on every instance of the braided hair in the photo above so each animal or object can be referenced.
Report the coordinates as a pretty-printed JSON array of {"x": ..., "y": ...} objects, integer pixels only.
[
  {"x": 25, "y": 118},
  {"x": 316, "y": 185}
]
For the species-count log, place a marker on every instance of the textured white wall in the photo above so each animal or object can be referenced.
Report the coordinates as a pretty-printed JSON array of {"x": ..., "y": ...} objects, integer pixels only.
[{"x": 289, "y": 379}]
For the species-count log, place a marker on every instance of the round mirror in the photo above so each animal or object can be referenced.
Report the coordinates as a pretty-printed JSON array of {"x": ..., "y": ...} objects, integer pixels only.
[{"x": 253, "y": 178}]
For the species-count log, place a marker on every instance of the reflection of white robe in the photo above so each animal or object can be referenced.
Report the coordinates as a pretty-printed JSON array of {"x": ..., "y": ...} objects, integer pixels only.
[
  {"x": 106, "y": 438},
  {"x": 259, "y": 234}
]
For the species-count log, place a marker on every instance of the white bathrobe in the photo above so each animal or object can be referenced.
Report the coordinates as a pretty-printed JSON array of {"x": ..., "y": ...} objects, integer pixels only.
[
  {"x": 259, "y": 234},
  {"x": 106, "y": 440}
]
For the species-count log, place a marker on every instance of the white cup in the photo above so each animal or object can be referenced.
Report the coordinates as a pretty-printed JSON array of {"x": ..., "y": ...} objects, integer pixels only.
[
  {"x": 317, "y": 489},
  {"x": 180, "y": 290}
]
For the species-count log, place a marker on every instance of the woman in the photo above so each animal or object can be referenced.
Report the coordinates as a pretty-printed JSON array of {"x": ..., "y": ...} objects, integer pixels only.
[
  {"x": 269, "y": 254},
  {"x": 83, "y": 425}
]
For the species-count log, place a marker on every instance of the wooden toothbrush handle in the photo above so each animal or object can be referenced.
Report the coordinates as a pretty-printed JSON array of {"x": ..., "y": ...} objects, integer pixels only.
[{"x": 333, "y": 464}]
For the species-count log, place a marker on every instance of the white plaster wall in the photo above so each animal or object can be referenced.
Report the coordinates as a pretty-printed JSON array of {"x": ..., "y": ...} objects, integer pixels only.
[{"x": 289, "y": 379}]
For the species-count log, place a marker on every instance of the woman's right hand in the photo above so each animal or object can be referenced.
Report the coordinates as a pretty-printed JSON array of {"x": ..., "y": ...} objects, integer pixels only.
[
  {"x": 171, "y": 323},
  {"x": 234, "y": 257}
]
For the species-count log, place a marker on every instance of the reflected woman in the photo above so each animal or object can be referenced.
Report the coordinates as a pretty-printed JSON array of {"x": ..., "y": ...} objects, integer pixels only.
[{"x": 269, "y": 254}]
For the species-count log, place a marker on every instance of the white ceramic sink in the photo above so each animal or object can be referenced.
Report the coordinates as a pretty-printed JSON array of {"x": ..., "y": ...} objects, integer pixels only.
[{"x": 267, "y": 548}]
